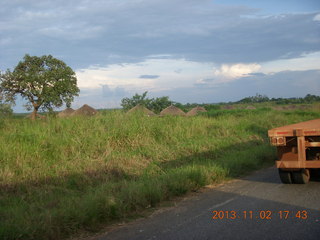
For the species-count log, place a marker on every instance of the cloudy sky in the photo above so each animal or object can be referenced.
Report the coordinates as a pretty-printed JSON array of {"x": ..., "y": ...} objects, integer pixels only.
[{"x": 202, "y": 51}]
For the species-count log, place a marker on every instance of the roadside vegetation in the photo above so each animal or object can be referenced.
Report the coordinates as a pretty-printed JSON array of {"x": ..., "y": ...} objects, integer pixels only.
[{"x": 61, "y": 175}]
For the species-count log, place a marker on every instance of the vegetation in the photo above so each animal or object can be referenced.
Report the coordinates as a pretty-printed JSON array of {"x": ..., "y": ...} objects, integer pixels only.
[
  {"x": 154, "y": 104},
  {"x": 263, "y": 98},
  {"x": 255, "y": 99},
  {"x": 158, "y": 104},
  {"x": 5, "y": 110},
  {"x": 61, "y": 175},
  {"x": 45, "y": 82},
  {"x": 5, "y": 107}
]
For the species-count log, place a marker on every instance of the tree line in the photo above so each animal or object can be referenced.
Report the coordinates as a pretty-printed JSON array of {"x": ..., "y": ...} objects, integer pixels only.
[
  {"x": 259, "y": 98},
  {"x": 158, "y": 104}
]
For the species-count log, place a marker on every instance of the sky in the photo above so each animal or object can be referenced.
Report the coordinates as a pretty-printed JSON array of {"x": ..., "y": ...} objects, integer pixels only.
[{"x": 197, "y": 51}]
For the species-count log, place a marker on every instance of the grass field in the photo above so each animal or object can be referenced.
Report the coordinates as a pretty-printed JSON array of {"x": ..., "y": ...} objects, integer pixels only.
[{"x": 61, "y": 175}]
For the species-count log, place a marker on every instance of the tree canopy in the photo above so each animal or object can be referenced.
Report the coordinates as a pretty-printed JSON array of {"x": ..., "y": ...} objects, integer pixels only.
[
  {"x": 45, "y": 82},
  {"x": 258, "y": 98}
]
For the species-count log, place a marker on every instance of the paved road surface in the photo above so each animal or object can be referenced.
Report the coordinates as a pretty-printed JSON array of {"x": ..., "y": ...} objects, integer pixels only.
[{"x": 261, "y": 195}]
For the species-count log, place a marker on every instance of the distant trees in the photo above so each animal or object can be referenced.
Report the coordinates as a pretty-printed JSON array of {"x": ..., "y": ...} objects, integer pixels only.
[
  {"x": 258, "y": 98},
  {"x": 154, "y": 104},
  {"x": 158, "y": 104},
  {"x": 45, "y": 82},
  {"x": 309, "y": 98}
]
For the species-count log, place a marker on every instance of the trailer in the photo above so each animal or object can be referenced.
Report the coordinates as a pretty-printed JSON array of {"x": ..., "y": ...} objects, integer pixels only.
[{"x": 298, "y": 148}]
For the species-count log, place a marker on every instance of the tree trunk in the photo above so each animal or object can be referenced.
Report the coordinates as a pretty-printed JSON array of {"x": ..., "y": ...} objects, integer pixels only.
[
  {"x": 34, "y": 114},
  {"x": 35, "y": 111}
]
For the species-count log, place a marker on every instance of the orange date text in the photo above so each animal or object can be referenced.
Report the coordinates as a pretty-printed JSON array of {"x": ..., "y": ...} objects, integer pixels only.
[{"x": 260, "y": 214}]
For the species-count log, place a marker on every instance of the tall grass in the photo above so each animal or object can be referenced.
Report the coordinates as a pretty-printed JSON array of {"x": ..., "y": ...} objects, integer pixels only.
[{"x": 61, "y": 175}]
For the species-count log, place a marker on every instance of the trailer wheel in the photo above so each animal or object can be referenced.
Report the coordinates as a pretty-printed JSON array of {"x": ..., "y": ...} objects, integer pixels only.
[
  {"x": 285, "y": 176},
  {"x": 301, "y": 177}
]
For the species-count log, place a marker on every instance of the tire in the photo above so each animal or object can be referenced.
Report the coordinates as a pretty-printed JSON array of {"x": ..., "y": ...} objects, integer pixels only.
[
  {"x": 285, "y": 176},
  {"x": 301, "y": 177},
  {"x": 315, "y": 174}
]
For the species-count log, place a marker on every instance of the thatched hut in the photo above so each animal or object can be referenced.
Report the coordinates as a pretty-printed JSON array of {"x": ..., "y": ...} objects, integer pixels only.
[
  {"x": 195, "y": 111},
  {"x": 85, "y": 110},
  {"x": 65, "y": 113},
  {"x": 141, "y": 109},
  {"x": 172, "y": 110},
  {"x": 251, "y": 107}
]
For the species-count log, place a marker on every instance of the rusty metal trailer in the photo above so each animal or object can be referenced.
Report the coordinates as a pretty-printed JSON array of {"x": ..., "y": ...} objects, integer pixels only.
[{"x": 298, "y": 147}]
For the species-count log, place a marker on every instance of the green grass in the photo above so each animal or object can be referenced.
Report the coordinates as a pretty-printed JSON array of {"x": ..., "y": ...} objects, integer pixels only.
[{"x": 61, "y": 175}]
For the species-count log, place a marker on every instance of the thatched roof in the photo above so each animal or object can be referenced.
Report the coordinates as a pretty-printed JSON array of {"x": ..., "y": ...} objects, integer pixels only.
[
  {"x": 251, "y": 107},
  {"x": 196, "y": 110},
  {"x": 66, "y": 113},
  {"x": 85, "y": 110},
  {"x": 172, "y": 110},
  {"x": 142, "y": 109}
]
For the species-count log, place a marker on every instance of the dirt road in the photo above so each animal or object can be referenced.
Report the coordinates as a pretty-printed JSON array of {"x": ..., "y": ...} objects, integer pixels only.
[{"x": 254, "y": 207}]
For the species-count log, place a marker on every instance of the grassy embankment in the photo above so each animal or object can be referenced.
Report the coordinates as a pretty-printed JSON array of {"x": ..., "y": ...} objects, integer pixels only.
[{"x": 61, "y": 175}]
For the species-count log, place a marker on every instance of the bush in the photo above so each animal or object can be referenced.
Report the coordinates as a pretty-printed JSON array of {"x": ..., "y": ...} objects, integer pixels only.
[{"x": 5, "y": 110}]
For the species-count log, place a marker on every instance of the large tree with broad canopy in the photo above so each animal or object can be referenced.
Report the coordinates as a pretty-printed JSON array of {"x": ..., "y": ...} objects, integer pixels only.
[{"x": 45, "y": 82}]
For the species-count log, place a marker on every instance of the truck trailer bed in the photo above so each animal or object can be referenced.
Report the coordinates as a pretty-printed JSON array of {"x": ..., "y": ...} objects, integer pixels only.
[
  {"x": 298, "y": 148},
  {"x": 307, "y": 128}
]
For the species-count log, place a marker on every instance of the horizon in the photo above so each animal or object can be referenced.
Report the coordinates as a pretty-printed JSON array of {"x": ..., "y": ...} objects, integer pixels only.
[
  {"x": 191, "y": 51},
  {"x": 216, "y": 103}
]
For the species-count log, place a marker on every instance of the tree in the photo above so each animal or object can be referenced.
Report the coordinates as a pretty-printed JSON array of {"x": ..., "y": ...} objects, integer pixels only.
[
  {"x": 258, "y": 98},
  {"x": 45, "y": 82},
  {"x": 311, "y": 98},
  {"x": 154, "y": 104},
  {"x": 160, "y": 103},
  {"x": 128, "y": 103}
]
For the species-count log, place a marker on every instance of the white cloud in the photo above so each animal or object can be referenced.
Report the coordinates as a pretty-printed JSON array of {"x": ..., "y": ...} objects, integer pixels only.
[
  {"x": 316, "y": 17},
  {"x": 306, "y": 61},
  {"x": 229, "y": 72},
  {"x": 171, "y": 73},
  {"x": 180, "y": 73}
]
